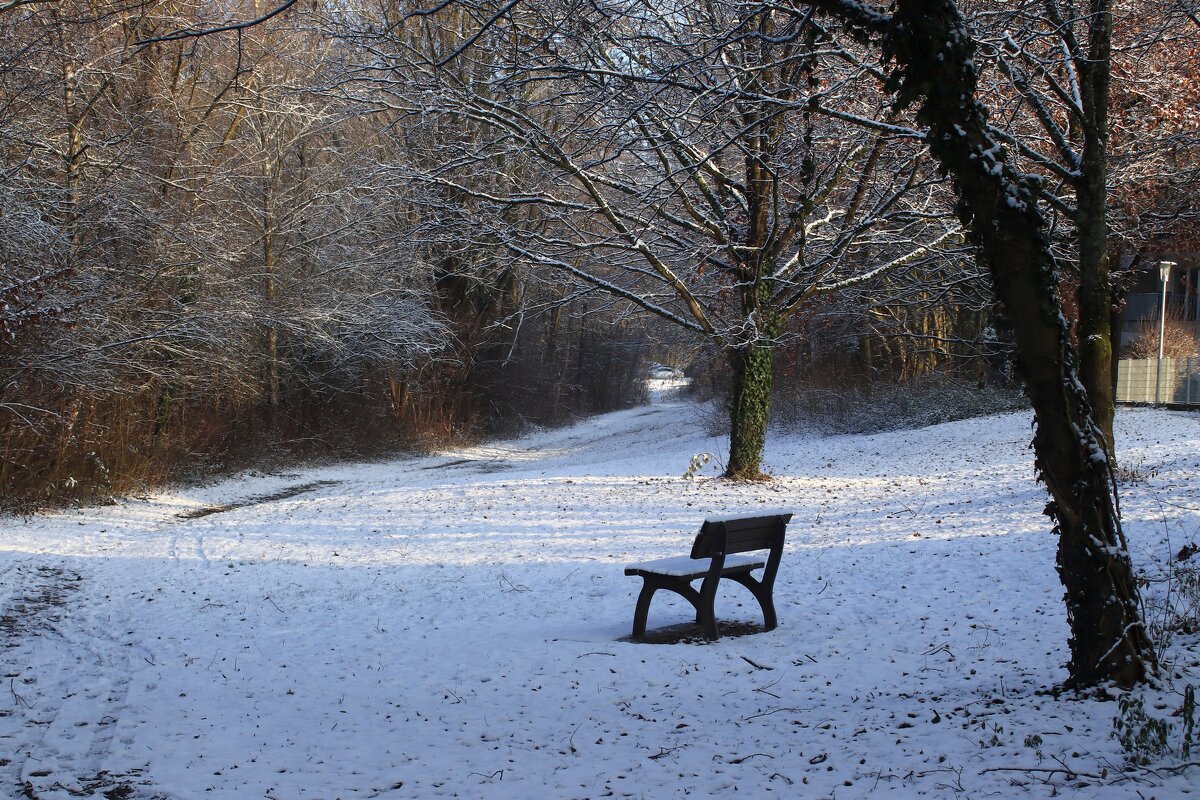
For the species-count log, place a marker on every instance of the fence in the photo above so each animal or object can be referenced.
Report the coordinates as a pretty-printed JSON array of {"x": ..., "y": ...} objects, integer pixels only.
[{"x": 1141, "y": 380}]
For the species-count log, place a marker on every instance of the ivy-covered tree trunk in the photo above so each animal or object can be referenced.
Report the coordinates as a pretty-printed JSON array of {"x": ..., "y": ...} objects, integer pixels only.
[
  {"x": 753, "y": 359},
  {"x": 934, "y": 68},
  {"x": 934, "y": 54},
  {"x": 749, "y": 408}
]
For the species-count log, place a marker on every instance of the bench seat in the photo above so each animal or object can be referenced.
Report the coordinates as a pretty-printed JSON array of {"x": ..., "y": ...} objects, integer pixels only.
[{"x": 688, "y": 567}]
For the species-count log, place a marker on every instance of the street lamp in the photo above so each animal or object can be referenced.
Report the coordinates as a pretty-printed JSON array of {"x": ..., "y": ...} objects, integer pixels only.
[{"x": 1164, "y": 272}]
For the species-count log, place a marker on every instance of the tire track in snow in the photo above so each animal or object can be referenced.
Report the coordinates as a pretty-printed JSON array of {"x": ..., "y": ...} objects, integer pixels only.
[
  {"x": 74, "y": 753},
  {"x": 29, "y": 618},
  {"x": 68, "y": 678},
  {"x": 198, "y": 537}
]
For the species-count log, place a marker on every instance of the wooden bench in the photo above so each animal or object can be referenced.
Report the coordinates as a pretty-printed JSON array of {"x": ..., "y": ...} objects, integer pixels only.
[{"x": 715, "y": 556}]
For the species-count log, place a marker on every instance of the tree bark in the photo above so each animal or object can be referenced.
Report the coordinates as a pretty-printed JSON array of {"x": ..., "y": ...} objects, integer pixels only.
[
  {"x": 749, "y": 408},
  {"x": 934, "y": 68},
  {"x": 1091, "y": 222}
]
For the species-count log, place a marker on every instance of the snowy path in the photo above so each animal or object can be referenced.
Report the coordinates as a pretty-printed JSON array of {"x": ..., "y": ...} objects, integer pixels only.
[{"x": 449, "y": 626}]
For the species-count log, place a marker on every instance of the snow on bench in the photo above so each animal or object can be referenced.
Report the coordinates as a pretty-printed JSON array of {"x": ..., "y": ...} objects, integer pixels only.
[{"x": 688, "y": 567}]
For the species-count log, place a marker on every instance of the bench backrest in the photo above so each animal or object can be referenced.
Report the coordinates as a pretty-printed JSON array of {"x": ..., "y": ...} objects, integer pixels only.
[{"x": 740, "y": 535}]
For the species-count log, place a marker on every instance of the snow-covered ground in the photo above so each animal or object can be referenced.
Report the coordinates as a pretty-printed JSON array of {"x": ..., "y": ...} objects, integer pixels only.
[{"x": 451, "y": 626}]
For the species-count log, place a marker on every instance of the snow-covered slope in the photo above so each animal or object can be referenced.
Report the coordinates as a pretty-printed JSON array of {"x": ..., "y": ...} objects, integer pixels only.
[{"x": 451, "y": 625}]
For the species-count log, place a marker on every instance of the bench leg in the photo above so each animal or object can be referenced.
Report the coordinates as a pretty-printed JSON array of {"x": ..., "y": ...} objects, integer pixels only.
[
  {"x": 706, "y": 618},
  {"x": 706, "y": 614},
  {"x": 643, "y": 609},
  {"x": 763, "y": 595},
  {"x": 682, "y": 588}
]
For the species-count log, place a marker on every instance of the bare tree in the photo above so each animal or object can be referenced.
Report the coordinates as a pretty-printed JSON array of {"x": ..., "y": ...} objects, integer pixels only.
[
  {"x": 154, "y": 195},
  {"x": 1155, "y": 136},
  {"x": 668, "y": 157}
]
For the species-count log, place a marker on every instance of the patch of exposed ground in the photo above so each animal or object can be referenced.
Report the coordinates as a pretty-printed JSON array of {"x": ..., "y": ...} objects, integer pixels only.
[{"x": 258, "y": 499}]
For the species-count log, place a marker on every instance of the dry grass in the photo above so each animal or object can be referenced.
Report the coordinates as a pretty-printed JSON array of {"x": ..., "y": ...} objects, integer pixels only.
[{"x": 1179, "y": 340}]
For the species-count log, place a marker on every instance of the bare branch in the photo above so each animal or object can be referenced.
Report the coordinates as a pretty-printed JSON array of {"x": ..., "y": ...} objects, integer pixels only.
[{"x": 197, "y": 33}]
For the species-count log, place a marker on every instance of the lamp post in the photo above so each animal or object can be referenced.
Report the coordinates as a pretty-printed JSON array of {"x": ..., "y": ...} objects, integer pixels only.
[{"x": 1164, "y": 272}]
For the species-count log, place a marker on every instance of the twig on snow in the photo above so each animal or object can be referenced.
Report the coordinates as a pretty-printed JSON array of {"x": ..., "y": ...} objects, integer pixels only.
[
  {"x": 1067, "y": 771},
  {"x": 752, "y": 755},
  {"x": 499, "y": 772},
  {"x": 1177, "y": 767},
  {"x": 771, "y": 711},
  {"x": 12, "y": 688},
  {"x": 509, "y": 586},
  {"x": 755, "y": 664}
]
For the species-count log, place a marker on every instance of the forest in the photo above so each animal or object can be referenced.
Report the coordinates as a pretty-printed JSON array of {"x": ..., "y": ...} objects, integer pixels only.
[{"x": 353, "y": 228}]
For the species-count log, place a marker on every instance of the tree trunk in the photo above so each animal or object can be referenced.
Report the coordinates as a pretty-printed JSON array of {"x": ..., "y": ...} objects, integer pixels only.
[
  {"x": 269, "y": 292},
  {"x": 1114, "y": 324},
  {"x": 73, "y": 157},
  {"x": 162, "y": 413},
  {"x": 749, "y": 408},
  {"x": 868, "y": 363},
  {"x": 1091, "y": 222},
  {"x": 933, "y": 53}
]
